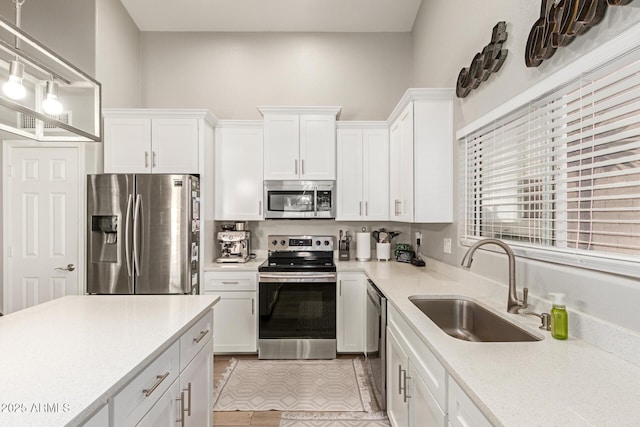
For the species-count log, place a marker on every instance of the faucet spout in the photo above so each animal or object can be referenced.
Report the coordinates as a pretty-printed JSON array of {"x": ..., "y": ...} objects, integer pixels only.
[{"x": 513, "y": 303}]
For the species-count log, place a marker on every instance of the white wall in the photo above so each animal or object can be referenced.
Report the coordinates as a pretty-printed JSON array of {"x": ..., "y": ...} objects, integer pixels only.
[
  {"x": 232, "y": 73},
  {"x": 446, "y": 36},
  {"x": 117, "y": 55}
]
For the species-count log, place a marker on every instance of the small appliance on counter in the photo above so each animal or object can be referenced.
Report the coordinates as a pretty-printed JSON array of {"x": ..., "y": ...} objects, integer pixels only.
[
  {"x": 235, "y": 245},
  {"x": 343, "y": 246}
]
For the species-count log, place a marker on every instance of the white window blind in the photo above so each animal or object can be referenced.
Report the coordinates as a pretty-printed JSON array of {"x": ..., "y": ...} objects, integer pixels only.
[{"x": 562, "y": 172}]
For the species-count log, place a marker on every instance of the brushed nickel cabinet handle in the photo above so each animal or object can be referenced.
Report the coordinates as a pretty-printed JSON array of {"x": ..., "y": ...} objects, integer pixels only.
[
  {"x": 366, "y": 208},
  {"x": 406, "y": 387},
  {"x": 230, "y": 283},
  {"x": 188, "y": 390},
  {"x": 360, "y": 208},
  {"x": 400, "y": 378},
  {"x": 296, "y": 166},
  {"x": 253, "y": 306},
  {"x": 146, "y": 159},
  {"x": 302, "y": 166},
  {"x": 201, "y": 336},
  {"x": 154, "y": 159},
  {"x": 148, "y": 391},
  {"x": 181, "y": 400}
]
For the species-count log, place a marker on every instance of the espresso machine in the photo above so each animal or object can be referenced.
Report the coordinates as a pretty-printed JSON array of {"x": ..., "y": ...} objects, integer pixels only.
[{"x": 235, "y": 245}]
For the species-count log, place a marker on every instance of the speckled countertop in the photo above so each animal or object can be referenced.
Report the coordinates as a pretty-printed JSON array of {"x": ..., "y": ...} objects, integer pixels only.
[
  {"x": 63, "y": 359},
  {"x": 545, "y": 383}
]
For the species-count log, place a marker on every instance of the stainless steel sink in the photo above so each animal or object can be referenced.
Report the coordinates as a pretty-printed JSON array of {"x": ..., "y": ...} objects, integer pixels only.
[{"x": 466, "y": 320}]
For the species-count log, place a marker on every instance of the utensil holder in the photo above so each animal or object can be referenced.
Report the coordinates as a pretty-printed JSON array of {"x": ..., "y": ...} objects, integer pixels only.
[{"x": 383, "y": 251}]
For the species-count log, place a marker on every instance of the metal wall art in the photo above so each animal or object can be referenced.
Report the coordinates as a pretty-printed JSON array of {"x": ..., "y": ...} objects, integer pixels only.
[
  {"x": 484, "y": 63},
  {"x": 560, "y": 23}
]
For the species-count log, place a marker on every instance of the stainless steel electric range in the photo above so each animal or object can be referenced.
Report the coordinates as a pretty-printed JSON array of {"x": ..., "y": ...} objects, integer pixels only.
[{"x": 297, "y": 299}]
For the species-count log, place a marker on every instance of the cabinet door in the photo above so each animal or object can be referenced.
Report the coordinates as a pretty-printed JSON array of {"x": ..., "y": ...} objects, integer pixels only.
[
  {"x": 394, "y": 170},
  {"x": 461, "y": 410},
  {"x": 281, "y": 146},
  {"x": 196, "y": 383},
  {"x": 351, "y": 312},
  {"x": 166, "y": 410},
  {"x": 405, "y": 205},
  {"x": 127, "y": 145},
  {"x": 397, "y": 365},
  {"x": 239, "y": 174},
  {"x": 349, "y": 181},
  {"x": 174, "y": 146},
  {"x": 317, "y": 147},
  {"x": 237, "y": 312},
  {"x": 375, "y": 173},
  {"x": 423, "y": 408}
]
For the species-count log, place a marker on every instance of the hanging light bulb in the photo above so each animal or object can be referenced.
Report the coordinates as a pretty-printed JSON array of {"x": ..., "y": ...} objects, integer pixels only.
[
  {"x": 51, "y": 105},
  {"x": 13, "y": 87}
]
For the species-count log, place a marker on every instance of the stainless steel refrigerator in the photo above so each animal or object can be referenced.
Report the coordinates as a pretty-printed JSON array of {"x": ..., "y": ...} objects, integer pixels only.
[{"x": 143, "y": 234}]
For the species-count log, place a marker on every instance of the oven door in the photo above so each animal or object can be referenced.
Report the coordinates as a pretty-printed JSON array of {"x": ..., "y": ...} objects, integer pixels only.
[
  {"x": 299, "y": 199},
  {"x": 297, "y": 316}
]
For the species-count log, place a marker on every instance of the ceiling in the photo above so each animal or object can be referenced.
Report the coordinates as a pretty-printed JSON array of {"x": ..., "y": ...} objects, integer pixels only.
[{"x": 274, "y": 15}]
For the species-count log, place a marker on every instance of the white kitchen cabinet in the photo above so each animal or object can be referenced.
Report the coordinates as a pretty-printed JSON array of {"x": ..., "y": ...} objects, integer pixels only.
[
  {"x": 462, "y": 411},
  {"x": 397, "y": 364},
  {"x": 352, "y": 293},
  {"x": 165, "y": 411},
  {"x": 195, "y": 389},
  {"x": 416, "y": 387},
  {"x": 363, "y": 172},
  {"x": 421, "y": 157},
  {"x": 155, "y": 141},
  {"x": 299, "y": 143},
  {"x": 239, "y": 171},
  {"x": 236, "y": 313}
]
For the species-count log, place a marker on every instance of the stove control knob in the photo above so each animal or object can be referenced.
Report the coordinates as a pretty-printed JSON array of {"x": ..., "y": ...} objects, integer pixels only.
[
  {"x": 326, "y": 243},
  {"x": 317, "y": 242},
  {"x": 274, "y": 242},
  {"x": 282, "y": 242}
]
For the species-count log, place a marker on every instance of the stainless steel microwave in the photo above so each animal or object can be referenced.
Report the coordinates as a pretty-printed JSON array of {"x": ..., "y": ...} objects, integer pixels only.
[{"x": 300, "y": 199}]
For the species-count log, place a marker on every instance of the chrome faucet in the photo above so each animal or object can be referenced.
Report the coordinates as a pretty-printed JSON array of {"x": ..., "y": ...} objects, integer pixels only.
[{"x": 513, "y": 303}]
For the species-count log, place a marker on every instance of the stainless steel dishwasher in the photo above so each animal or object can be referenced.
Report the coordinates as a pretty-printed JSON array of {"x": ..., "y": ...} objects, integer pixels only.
[{"x": 376, "y": 345}]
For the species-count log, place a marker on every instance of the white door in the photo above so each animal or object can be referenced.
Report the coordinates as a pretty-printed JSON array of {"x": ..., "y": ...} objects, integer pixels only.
[
  {"x": 196, "y": 383},
  {"x": 352, "y": 293},
  {"x": 239, "y": 173},
  {"x": 42, "y": 217},
  {"x": 375, "y": 173},
  {"x": 349, "y": 182},
  {"x": 317, "y": 147},
  {"x": 282, "y": 146}
]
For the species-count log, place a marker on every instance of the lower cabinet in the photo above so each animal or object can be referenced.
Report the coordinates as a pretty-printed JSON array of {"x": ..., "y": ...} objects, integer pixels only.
[
  {"x": 352, "y": 293},
  {"x": 236, "y": 313},
  {"x": 175, "y": 388},
  {"x": 420, "y": 392}
]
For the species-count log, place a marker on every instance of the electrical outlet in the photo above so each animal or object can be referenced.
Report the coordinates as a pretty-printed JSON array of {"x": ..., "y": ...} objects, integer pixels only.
[
  {"x": 418, "y": 235},
  {"x": 447, "y": 245}
]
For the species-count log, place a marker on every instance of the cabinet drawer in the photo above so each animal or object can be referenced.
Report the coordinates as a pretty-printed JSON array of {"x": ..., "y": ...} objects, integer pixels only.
[
  {"x": 192, "y": 341},
  {"x": 425, "y": 362},
  {"x": 230, "y": 281},
  {"x": 135, "y": 400}
]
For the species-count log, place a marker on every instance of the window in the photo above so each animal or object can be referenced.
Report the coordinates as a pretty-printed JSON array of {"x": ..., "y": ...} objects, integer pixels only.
[{"x": 562, "y": 173}]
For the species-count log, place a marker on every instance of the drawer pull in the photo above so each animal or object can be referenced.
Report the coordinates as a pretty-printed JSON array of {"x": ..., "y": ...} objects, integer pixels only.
[
  {"x": 231, "y": 283},
  {"x": 147, "y": 392},
  {"x": 202, "y": 335}
]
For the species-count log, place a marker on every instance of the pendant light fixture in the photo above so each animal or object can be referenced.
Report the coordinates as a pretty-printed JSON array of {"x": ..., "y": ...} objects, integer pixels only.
[
  {"x": 51, "y": 105},
  {"x": 13, "y": 87},
  {"x": 35, "y": 82}
]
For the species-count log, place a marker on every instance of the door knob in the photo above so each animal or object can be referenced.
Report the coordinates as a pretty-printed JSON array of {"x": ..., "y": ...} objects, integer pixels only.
[{"x": 69, "y": 267}]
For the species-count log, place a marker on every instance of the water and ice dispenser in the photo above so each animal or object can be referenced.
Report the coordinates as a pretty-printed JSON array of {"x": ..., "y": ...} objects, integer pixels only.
[{"x": 104, "y": 238}]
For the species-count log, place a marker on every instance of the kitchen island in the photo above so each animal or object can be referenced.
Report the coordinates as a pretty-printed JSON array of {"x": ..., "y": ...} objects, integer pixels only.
[{"x": 64, "y": 360}]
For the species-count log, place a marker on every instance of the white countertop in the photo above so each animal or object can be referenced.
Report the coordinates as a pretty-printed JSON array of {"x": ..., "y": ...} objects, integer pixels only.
[
  {"x": 545, "y": 383},
  {"x": 70, "y": 354}
]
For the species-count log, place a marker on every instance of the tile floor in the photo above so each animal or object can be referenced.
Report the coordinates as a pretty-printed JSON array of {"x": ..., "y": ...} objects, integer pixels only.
[{"x": 249, "y": 418}]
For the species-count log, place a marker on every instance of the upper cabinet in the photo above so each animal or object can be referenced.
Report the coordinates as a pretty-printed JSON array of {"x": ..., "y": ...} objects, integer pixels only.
[
  {"x": 363, "y": 171},
  {"x": 238, "y": 171},
  {"x": 155, "y": 141},
  {"x": 421, "y": 157},
  {"x": 300, "y": 143}
]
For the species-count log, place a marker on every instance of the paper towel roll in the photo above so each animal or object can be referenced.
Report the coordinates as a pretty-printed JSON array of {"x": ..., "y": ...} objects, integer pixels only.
[{"x": 363, "y": 246}]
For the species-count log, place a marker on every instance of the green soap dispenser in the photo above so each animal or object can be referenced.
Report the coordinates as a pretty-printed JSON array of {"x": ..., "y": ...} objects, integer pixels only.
[{"x": 559, "y": 318}]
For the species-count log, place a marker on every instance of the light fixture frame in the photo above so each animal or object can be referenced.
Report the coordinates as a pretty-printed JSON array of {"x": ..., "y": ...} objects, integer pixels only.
[{"x": 46, "y": 55}]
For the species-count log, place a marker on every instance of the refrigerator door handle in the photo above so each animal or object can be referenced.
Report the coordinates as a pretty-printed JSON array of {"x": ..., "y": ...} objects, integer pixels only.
[
  {"x": 127, "y": 234},
  {"x": 136, "y": 234}
]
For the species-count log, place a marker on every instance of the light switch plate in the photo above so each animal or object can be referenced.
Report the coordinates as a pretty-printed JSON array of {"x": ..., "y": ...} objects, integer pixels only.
[{"x": 447, "y": 245}]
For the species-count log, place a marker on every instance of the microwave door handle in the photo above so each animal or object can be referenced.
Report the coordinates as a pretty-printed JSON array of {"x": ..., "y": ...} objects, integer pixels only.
[
  {"x": 315, "y": 201},
  {"x": 127, "y": 234}
]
